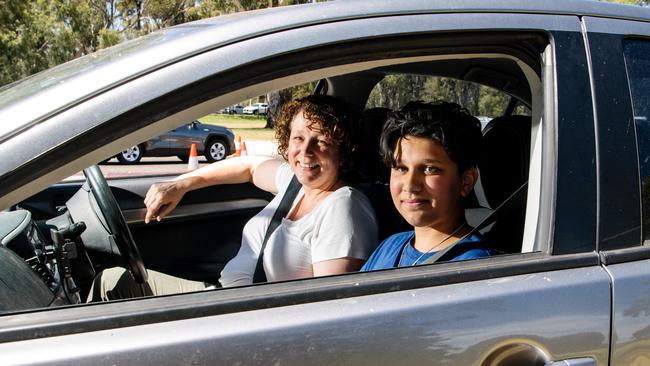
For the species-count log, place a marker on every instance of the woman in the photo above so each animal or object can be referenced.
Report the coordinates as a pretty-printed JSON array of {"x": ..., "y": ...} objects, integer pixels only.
[
  {"x": 432, "y": 151},
  {"x": 330, "y": 228}
]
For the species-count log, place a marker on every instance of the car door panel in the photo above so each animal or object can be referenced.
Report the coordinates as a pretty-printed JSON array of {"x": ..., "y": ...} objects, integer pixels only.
[
  {"x": 199, "y": 245},
  {"x": 631, "y": 312},
  {"x": 537, "y": 317},
  {"x": 201, "y": 235},
  {"x": 194, "y": 242}
]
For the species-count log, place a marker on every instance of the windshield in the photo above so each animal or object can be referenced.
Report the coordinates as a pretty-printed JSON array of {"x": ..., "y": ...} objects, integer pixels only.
[
  {"x": 62, "y": 73},
  {"x": 66, "y": 84}
]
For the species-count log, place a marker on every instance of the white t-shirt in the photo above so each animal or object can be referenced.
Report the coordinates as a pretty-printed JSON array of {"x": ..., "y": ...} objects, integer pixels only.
[{"x": 342, "y": 225}]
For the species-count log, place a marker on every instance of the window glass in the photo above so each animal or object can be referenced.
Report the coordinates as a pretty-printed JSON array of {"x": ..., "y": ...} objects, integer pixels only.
[
  {"x": 213, "y": 135},
  {"x": 486, "y": 103},
  {"x": 216, "y": 135},
  {"x": 504, "y": 162},
  {"x": 637, "y": 57},
  {"x": 522, "y": 110}
]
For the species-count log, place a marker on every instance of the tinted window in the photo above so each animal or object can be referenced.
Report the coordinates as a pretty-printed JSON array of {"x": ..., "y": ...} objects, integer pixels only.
[{"x": 637, "y": 58}]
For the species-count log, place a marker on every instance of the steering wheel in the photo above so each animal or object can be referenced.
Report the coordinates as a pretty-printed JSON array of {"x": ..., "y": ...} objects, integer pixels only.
[{"x": 113, "y": 217}]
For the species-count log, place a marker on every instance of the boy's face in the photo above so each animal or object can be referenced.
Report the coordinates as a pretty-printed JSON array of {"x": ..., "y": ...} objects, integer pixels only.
[{"x": 426, "y": 186}]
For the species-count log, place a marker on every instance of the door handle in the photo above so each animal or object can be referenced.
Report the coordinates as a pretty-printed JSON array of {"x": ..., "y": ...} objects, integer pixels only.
[{"x": 585, "y": 361}]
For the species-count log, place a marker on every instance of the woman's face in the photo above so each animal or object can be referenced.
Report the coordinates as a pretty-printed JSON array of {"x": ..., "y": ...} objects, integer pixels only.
[
  {"x": 312, "y": 156},
  {"x": 425, "y": 184}
]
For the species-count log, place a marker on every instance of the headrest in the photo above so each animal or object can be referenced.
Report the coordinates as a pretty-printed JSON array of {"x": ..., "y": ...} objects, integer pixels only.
[
  {"x": 506, "y": 157},
  {"x": 371, "y": 166}
]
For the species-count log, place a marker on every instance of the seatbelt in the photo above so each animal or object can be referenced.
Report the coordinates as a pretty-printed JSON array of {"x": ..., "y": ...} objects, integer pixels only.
[
  {"x": 505, "y": 206},
  {"x": 280, "y": 212}
]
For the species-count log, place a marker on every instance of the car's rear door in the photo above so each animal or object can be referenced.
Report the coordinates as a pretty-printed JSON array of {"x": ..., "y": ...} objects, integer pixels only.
[{"x": 620, "y": 59}]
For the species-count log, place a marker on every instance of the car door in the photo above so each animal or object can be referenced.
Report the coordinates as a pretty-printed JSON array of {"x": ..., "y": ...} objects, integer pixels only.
[
  {"x": 620, "y": 60},
  {"x": 180, "y": 139},
  {"x": 551, "y": 303},
  {"x": 158, "y": 145}
]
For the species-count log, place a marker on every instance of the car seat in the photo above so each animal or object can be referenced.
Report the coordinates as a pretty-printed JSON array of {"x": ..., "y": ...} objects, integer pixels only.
[
  {"x": 374, "y": 175},
  {"x": 371, "y": 166},
  {"x": 504, "y": 168}
]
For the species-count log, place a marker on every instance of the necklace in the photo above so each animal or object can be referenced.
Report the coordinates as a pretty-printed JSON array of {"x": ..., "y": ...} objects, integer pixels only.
[{"x": 401, "y": 257}]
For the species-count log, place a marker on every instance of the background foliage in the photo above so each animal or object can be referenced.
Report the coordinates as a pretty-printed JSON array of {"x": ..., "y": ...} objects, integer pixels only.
[{"x": 38, "y": 34}]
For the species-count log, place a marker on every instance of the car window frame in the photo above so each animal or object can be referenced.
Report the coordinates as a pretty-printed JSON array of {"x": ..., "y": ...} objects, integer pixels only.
[{"x": 160, "y": 84}]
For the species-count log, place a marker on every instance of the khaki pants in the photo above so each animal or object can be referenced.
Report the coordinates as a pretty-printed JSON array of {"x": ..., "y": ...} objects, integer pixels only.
[{"x": 117, "y": 283}]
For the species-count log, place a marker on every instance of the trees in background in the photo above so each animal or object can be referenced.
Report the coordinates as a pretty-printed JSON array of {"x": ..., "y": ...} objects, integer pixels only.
[
  {"x": 630, "y": 2},
  {"x": 394, "y": 91},
  {"x": 38, "y": 34}
]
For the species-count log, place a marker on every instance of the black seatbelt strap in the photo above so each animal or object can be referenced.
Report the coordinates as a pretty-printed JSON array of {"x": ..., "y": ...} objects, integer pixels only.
[
  {"x": 504, "y": 207},
  {"x": 280, "y": 212}
]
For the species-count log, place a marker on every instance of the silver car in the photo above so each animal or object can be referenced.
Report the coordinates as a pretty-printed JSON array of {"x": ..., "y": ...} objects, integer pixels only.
[
  {"x": 233, "y": 109},
  {"x": 565, "y": 187},
  {"x": 256, "y": 108}
]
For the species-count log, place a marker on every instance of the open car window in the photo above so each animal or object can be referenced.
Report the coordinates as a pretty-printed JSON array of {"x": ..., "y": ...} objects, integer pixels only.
[{"x": 205, "y": 231}]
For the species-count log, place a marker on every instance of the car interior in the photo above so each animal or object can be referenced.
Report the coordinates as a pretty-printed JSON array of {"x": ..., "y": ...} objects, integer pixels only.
[{"x": 67, "y": 244}]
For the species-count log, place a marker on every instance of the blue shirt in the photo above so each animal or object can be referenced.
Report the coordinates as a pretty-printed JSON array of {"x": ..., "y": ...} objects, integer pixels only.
[{"x": 388, "y": 254}]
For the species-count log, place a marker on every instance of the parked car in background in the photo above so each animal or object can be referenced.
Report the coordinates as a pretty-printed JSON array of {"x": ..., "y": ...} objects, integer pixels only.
[
  {"x": 568, "y": 185},
  {"x": 233, "y": 109},
  {"x": 256, "y": 108},
  {"x": 484, "y": 120},
  {"x": 212, "y": 141}
]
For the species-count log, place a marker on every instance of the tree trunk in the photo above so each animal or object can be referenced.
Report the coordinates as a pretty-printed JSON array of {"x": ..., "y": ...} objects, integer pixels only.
[
  {"x": 469, "y": 93},
  {"x": 276, "y": 99}
]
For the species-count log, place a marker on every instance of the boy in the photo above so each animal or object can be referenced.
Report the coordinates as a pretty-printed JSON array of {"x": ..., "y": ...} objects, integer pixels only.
[{"x": 432, "y": 150}]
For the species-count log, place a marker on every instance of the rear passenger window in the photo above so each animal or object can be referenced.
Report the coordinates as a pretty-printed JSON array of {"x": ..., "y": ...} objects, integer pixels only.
[
  {"x": 504, "y": 162},
  {"x": 484, "y": 102},
  {"x": 637, "y": 59}
]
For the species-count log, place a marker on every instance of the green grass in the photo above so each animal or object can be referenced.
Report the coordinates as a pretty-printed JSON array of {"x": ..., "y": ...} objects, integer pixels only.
[{"x": 247, "y": 126}]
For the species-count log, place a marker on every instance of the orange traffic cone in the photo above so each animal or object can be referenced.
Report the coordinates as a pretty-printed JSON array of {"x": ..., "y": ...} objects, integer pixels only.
[
  {"x": 244, "y": 152},
  {"x": 193, "y": 162},
  {"x": 237, "y": 145}
]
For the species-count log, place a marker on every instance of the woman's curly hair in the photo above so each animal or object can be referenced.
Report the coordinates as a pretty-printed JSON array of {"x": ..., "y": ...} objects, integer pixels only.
[{"x": 331, "y": 116}]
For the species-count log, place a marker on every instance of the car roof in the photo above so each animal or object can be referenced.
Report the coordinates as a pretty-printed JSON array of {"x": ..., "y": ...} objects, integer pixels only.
[{"x": 62, "y": 87}]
